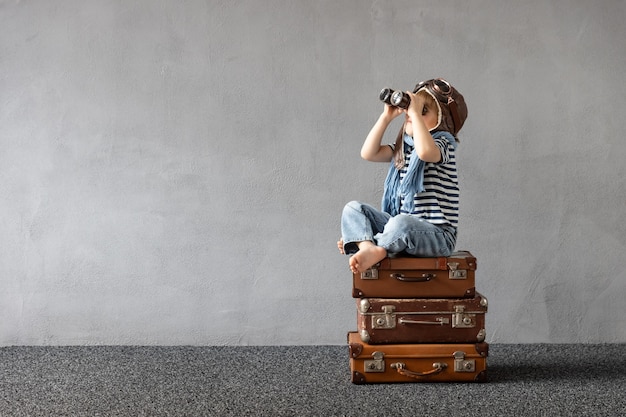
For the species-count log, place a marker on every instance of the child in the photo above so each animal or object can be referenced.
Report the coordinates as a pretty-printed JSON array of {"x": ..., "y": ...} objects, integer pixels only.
[{"x": 419, "y": 214}]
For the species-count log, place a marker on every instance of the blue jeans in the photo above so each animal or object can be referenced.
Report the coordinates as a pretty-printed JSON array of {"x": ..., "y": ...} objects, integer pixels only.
[{"x": 403, "y": 233}]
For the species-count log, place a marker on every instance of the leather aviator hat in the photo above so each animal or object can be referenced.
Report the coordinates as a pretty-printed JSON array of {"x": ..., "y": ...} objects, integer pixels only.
[
  {"x": 452, "y": 112},
  {"x": 452, "y": 107}
]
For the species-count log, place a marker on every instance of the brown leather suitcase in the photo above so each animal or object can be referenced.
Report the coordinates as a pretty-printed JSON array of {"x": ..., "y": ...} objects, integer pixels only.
[
  {"x": 405, "y": 277},
  {"x": 421, "y": 320},
  {"x": 371, "y": 364}
]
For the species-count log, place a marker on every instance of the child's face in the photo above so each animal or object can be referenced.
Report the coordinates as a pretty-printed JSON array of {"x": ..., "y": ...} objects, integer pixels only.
[{"x": 430, "y": 116}]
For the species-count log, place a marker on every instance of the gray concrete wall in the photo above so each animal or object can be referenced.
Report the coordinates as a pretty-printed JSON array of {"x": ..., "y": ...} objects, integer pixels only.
[{"x": 173, "y": 172}]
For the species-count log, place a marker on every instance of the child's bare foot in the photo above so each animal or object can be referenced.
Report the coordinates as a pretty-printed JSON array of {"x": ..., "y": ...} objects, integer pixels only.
[
  {"x": 340, "y": 246},
  {"x": 368, "y": 255}
]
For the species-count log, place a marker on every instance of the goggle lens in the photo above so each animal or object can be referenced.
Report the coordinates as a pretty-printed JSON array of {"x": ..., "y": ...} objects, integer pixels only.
[
  {"x": 439, "y": 86},
  {"x": 442, "y": 86}
]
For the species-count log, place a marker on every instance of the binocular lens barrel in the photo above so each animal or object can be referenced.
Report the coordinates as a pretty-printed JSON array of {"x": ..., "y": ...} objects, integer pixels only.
[
  {"x": 395, "y": 98},
  {"x": 400, "y": 99},
  {"x": 385, "y": 95}
]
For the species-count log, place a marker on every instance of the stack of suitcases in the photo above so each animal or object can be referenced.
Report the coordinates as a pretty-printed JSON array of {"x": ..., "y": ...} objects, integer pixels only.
[{"x": 419, "y": 320}]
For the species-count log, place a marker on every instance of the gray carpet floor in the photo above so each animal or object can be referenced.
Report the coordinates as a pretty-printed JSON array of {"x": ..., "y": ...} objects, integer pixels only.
[{"x": 528, "y": 380}]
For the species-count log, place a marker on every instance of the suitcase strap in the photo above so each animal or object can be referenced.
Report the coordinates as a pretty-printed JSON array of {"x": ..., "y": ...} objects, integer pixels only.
[{"x": 438, "y": 367}]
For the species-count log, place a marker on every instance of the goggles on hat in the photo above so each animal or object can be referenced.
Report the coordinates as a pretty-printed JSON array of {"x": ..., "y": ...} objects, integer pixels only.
[{"x": 442, "y": 90}]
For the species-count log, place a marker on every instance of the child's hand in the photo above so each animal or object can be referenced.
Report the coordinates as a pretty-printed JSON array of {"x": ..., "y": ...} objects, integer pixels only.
[
  {"x": 416, "y": 105},
  {"x": 340, "y": 246},
  {"x": 391, "y": 112}
]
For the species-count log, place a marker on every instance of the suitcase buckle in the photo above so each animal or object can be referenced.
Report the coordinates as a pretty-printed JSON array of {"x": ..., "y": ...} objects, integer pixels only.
[
  {"x": 371, "y": 273},
  {"x": 385, "y": 320},
  {"x": 463, "y": 365},
  {"x": 463, "y": 320},
  {"x": 377, "y": 364},
  {"x": 456, "y": 273}
]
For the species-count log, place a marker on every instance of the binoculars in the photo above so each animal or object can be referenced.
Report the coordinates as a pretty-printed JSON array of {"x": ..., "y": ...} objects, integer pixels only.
[{"x": 395, "y": 98}]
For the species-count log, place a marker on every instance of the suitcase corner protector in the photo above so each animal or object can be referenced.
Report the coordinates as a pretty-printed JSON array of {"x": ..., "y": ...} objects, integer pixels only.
[
  {"x": 356, "y": 293},
  {"x": 482, "y": 348},
  {"x": 481, "y": 376},
  {"x": 358, "y": 378},
  {"x": 355, "y": 350}
]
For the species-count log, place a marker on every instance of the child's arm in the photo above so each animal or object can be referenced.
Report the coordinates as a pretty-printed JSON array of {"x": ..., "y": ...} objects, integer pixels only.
[
  {"x": 425, "y": 145},
  {"x": 372, "y": 150}
]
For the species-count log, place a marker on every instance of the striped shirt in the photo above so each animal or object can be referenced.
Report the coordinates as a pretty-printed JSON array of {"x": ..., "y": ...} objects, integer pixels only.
[{"x": 439, "y": 202}]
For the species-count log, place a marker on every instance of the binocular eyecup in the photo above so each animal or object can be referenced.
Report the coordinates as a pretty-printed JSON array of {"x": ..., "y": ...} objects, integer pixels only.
[{"x": 395, "y": 98}]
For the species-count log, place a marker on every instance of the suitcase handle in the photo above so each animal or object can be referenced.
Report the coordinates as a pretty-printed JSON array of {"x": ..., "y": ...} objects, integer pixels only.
[
  {"x": 439, "y": 321},
  {"x": 438, "y": 367},
  {"x": 423, "y": 278}
]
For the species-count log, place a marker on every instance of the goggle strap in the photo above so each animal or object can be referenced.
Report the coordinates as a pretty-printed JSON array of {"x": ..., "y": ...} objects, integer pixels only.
[{"x": 455, "y": 113}]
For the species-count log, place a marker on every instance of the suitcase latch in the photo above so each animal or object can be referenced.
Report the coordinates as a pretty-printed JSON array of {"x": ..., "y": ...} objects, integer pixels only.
[
  {"x": 463, "y": 320},
  {"x": 455, "y": 273},
  {"x": 463, "y": 365},
  {"x": 386, "y": 319},
  {"x": 371, "y": 273},
  {"x": 377, "y": 364}
]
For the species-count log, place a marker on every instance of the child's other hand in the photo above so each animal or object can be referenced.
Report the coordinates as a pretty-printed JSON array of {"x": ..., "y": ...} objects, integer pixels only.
[
  {"x": 340, "y": 246},
  {"x": 391, "y": 112},
  {"x": 417, "y": 103}
]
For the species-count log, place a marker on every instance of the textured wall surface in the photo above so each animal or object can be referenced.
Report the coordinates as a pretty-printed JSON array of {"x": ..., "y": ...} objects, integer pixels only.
[{"x": 173, "y": 172}]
